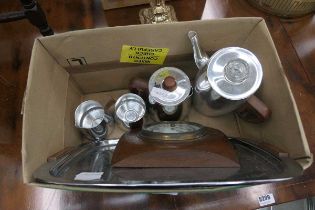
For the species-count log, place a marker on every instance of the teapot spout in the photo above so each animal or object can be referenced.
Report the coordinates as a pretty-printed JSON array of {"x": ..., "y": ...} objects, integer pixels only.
[{"x": 200, "y": 56}]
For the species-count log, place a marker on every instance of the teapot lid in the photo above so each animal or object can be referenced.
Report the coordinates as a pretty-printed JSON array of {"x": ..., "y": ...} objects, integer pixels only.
[
  {"x": 234, "y": 73},
  {"x": 169, "y": 86}
]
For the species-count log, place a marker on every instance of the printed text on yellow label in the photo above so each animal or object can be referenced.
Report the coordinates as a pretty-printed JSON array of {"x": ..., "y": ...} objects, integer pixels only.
[{"x": 143, "y": 55}]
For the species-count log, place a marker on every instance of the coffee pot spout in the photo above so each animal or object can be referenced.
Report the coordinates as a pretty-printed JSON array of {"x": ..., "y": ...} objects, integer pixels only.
[{"x": 200, "y": 56}]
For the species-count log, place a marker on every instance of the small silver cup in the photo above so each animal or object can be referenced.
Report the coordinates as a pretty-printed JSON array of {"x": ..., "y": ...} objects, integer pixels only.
[
  {"x": 93, "y": 121},
  {"x": 129, "y": 108}
]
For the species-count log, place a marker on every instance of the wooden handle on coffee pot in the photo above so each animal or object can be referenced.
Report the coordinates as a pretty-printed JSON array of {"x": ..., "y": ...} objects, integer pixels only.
[{"x": 254, "y": 111}]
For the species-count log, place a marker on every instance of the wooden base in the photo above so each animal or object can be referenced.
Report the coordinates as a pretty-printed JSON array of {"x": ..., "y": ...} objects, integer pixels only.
[{"x": 212, "y": 150}]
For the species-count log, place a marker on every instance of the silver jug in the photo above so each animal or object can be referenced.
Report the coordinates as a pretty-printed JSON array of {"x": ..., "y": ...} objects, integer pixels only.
[
  {"x": 225, "y": 80},
  {"x": 93, "y": 121}
]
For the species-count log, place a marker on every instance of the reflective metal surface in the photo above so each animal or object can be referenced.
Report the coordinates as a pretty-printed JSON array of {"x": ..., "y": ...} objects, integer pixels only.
[
  {"x": 169, "y": 94},
  {"x": 89, "y": 114},
  {"x": 173, "y": 131},
  {"x": 159, "y": 12},
  {"x": 225, "y": 80},
  {"x": 234, "y": 73},
  {"x": 287, "y": 8},
  {"x": 92, "y": 120},
  {"x": 129, "y": 108},
  {"x": 200, "y": 56},
  {"x": 160, "y": 95},
  {"x": 208, "y": 102},
  {"x": 257, "y": 166}
]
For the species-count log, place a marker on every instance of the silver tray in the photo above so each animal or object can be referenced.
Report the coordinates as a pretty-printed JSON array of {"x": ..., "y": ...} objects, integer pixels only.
[{"x": 257, "y": 166}]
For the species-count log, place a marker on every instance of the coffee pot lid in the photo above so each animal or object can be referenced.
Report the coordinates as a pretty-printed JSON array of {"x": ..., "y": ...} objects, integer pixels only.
[
  {"x": 234, "y": 73},
  {"x": 169, "y": 86}
]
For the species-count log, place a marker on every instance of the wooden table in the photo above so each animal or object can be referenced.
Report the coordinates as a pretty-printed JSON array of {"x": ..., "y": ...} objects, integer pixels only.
[{"x": 295, "y": 42}]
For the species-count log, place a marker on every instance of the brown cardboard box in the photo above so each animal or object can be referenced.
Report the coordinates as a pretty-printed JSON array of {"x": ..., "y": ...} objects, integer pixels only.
[{"x": 56, "y": 86}]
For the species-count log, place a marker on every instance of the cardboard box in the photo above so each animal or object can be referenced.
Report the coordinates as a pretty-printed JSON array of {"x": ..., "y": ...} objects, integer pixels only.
[{"x": 57, "y": 84}]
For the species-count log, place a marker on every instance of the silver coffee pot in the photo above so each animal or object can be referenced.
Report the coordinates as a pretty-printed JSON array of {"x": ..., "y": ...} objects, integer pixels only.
[{"x": 225, "y": 80}]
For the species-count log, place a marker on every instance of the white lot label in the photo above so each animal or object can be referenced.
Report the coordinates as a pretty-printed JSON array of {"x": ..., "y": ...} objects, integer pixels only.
[
  {"x": 87, "y": 176},
  {"x": 161, "y": 94},
  {"x": 266, "y": 199}
]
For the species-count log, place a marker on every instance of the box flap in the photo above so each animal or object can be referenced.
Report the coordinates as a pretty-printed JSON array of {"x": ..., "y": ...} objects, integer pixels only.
[
  {"x": 104, "y": 44},
  {"x": 44, "y": 108}
]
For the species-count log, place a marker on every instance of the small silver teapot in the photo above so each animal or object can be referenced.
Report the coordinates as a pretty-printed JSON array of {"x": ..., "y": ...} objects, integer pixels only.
[
  {"x": 167, "y": 94},
  {"x": 225, "y": 80}
]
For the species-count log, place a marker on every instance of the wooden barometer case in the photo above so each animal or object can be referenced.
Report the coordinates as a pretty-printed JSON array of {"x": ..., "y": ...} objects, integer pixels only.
[{"x": 174, "y": 145}]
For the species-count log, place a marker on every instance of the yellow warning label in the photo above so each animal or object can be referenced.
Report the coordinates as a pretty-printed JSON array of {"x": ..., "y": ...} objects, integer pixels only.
[{"x": 143, "y": 55}]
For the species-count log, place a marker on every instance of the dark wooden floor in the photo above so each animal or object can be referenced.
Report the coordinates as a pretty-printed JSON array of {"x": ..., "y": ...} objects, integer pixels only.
[{"x": 295, "y": 42}]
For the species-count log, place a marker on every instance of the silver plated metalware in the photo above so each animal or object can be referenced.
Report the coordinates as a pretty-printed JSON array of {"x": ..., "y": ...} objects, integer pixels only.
[
  {"x": 93, "y": 121},
  {"x": 129, "y": 108},
  {"x": 158, "y": 12},
  {"x": 257, "y": 166},
  {"x": 173, "y": 103},
  {"x": 225, "y": 80}
]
